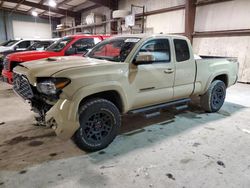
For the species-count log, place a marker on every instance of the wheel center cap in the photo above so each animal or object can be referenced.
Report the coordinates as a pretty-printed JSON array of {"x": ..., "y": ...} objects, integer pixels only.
[{"x": 98, "y": 125}]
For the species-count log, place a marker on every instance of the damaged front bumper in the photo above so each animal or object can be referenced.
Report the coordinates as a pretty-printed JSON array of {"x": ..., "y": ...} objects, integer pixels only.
[{"x": 59, "y": 118}]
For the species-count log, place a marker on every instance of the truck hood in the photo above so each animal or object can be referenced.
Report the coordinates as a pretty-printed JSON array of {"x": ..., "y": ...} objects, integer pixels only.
[
  {"x": 50, "y": 66},
  {"x": 31, "y": 55}
]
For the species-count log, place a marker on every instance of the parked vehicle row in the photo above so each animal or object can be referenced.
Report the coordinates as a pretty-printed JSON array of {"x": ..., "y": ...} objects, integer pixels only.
[
  {"x": 70, "y": 45},
  {"x": 84, "y": 97},
  {"x": 13, "y": 46}
]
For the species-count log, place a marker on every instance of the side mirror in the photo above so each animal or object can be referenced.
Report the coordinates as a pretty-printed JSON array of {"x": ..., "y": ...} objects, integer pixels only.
[
  {"x": 71, "y": 51},
  {"x": 144, "y": 58}
]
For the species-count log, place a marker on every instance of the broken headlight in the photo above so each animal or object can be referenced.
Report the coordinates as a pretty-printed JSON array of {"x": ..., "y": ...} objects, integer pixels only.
[{"x": 51, "y": 86}]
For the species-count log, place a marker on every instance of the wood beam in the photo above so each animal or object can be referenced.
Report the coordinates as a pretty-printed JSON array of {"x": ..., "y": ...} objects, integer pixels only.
[
  {"x": 18, "y": 5},
  {"x": 33, "y": 7},
  {"x": 112, "y": 4},
  {"x": 101, "y": 2},
  {"x": 190, "y": 9},
  {"x": 45, "y": 7},
  {"x": 223, "y": 33},
  {"x": 211, "y": 2},
  {"x": 88, "y": 8},
  {"x": 160, "y": 11}
]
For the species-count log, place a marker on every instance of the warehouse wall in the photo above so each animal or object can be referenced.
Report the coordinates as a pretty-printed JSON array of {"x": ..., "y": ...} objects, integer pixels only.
[
  {"x": 32, "y": 30},
  {"x": 223, "y": 16},
  {"x": 14, "y": 17},
  {"x": 164, "y": 22},
  {"x": 231, "y": 15},
  {"x": 168, "y": 22}
]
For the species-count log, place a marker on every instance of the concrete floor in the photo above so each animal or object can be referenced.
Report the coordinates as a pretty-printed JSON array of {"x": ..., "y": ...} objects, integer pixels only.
[{"x": 177, "y": 149}]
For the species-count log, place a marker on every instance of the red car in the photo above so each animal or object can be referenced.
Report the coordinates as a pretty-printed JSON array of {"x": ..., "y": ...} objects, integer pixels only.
[{"x": 70, "y": 45}]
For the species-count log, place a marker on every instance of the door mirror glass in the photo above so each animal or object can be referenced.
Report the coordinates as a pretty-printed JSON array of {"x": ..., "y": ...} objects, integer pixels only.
[
  {"x": 144, "y": 58},
  {"x": 71, "y": 51}
]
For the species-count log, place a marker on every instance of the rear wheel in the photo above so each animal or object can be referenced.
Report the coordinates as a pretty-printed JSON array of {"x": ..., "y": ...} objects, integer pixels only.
[
  {"x": 99, "y": 124},
  {"x": 214, "y": 98}
]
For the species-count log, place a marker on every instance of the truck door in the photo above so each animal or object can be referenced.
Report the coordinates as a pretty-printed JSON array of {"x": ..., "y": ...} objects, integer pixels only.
[
  {"x": 153, "y": 83},
  {"x": 185, "y": 69}
]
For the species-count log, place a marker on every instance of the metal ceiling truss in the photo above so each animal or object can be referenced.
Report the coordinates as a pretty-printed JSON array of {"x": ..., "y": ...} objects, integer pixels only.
[{"x": 45, "y": 7}]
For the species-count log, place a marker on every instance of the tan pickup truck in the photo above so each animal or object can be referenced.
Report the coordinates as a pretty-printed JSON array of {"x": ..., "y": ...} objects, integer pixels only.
[{"x": 84, "y": 97}]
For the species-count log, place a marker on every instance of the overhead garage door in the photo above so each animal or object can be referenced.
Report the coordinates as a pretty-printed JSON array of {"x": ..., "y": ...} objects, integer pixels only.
[{"x": 22, "y": 29}]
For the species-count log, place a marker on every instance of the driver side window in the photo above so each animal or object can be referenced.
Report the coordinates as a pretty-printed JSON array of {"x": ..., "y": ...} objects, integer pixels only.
[
  {"x": 24, "y": 44},
  {"x": 83, "y": 45},
  {"x": 159, "y": 49}
]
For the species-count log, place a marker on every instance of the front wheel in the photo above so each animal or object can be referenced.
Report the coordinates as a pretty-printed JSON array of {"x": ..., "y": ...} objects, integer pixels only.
[
  {"x": 214, "y": 98},
  {"x": 99, "y": 124}
]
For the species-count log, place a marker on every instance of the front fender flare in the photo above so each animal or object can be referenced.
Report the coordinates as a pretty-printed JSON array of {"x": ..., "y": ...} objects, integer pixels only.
[{"x": 89, "y": 90}]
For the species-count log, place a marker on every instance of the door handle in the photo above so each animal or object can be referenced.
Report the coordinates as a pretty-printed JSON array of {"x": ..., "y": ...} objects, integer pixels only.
[{"x": 169, "y": 71}]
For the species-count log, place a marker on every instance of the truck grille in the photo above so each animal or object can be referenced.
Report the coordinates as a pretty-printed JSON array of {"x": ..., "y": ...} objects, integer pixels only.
[
  {"x": 6, "y": 64},
  {"x": 21, "y": 86}
]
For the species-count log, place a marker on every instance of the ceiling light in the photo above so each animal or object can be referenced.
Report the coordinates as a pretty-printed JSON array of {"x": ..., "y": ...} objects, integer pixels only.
[
  {"x": 34, "y": 13},
  {"x": 52, "y": 3}
]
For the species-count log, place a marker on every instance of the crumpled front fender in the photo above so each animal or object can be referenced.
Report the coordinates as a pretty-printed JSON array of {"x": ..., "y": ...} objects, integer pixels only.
[{"x": 65, "y": 125}]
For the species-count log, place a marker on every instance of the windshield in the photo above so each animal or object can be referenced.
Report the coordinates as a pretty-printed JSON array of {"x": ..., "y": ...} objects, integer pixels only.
[
  {"x": 10, "y": 43},
  {"x": 59, "y": 45},
  {"x": 116, "y": 49}
]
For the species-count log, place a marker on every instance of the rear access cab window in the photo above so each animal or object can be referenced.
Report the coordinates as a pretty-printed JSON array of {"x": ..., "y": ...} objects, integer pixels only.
[{"x": 181, "y": 50}]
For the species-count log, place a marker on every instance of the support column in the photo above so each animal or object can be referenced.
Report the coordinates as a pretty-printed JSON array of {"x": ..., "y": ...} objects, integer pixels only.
[
  {"x": 113, "y": 4},
  {"x": 5, "y": 25},
  {"x": 190, "y": 9}
]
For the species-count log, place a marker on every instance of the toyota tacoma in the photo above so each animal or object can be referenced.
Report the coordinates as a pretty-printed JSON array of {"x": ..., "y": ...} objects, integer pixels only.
[{"x": 84, "y": 98}]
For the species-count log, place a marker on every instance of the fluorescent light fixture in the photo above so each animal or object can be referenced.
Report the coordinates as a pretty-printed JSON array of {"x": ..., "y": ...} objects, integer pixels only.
[
  {"x": 52, "y": 3},
  {"x": 34, "y": 13}
]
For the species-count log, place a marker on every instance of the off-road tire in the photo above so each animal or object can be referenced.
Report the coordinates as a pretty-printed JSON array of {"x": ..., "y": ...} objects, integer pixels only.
[
  {"x": 99, "y": 120},
  {"x": 214, "y": 98}
]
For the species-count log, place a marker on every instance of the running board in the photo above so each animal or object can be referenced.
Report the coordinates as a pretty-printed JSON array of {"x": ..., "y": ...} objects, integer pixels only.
[{"x": 159, "y": 106}]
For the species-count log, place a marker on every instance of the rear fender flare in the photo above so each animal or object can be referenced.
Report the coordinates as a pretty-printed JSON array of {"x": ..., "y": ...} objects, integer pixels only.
[{"x": 213, "y": 76}]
